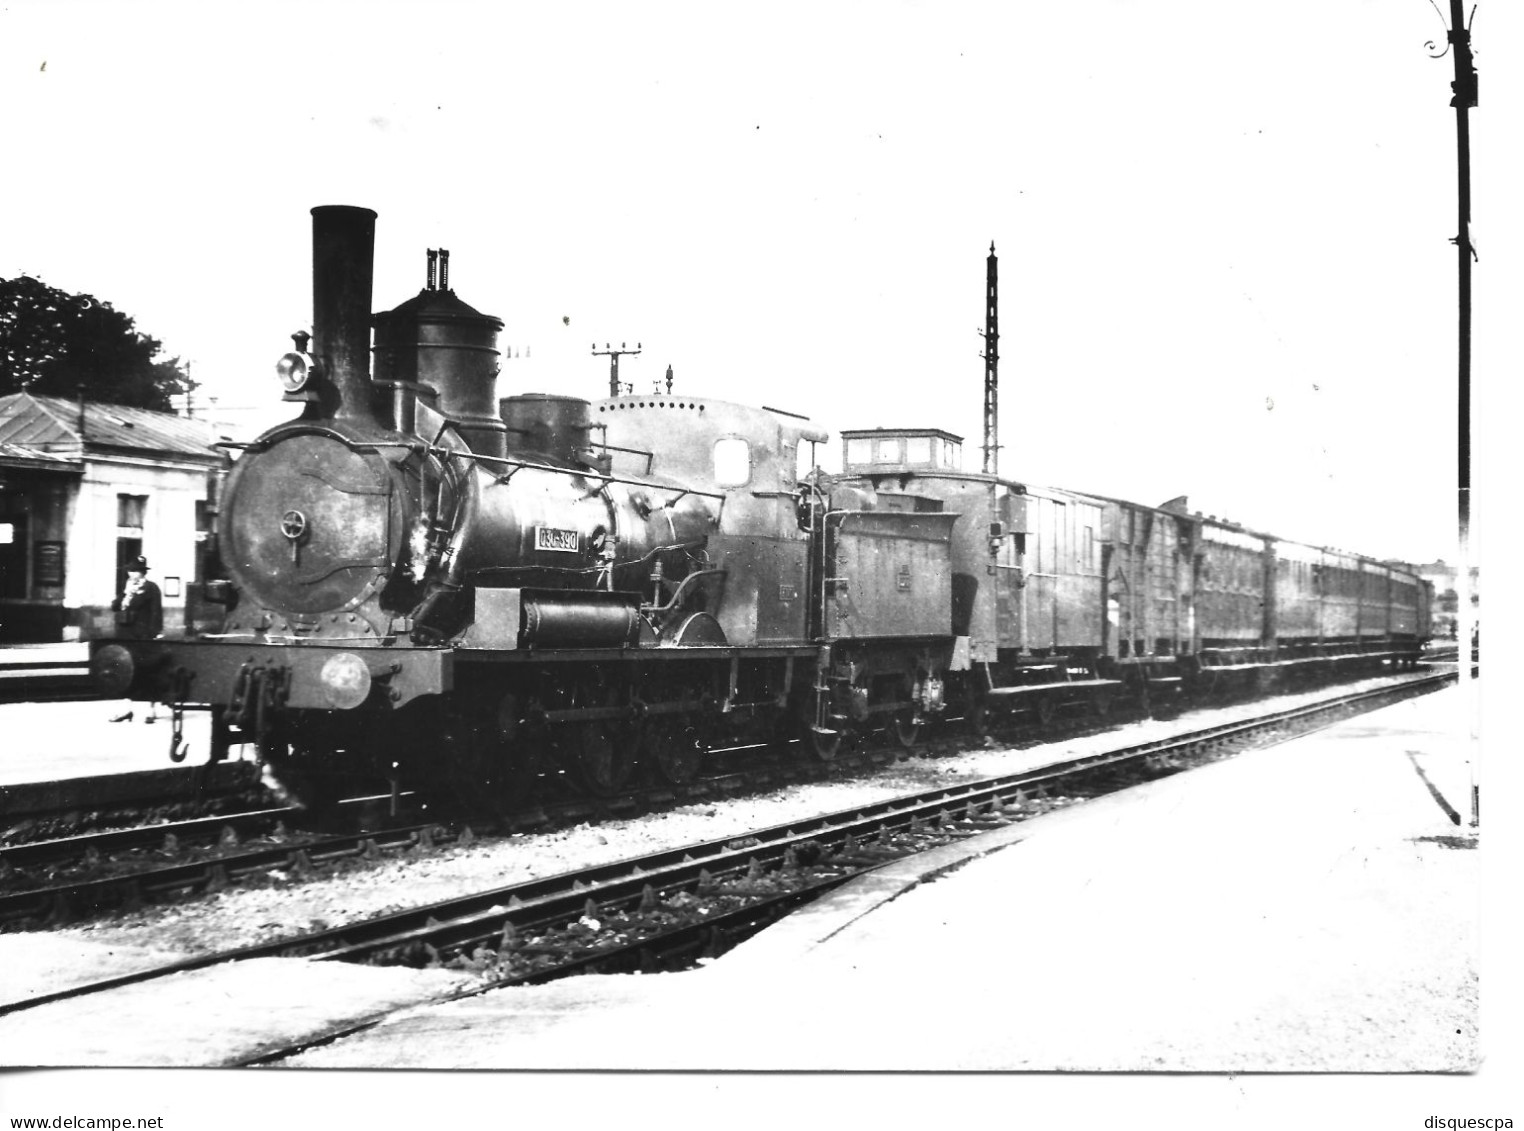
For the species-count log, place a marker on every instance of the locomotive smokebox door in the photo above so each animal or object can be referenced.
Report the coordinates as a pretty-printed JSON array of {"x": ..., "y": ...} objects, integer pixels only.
[{"x": 310, "y": 525}]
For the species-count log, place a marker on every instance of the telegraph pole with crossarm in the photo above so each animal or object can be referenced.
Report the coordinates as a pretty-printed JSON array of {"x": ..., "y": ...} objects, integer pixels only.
[{"x": 614, "y": 355}]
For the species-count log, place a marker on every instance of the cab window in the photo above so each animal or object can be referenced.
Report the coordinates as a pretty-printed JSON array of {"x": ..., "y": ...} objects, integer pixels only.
[
  {"x": 804, "y": 461},
  {"x": 732, "y": 462}
]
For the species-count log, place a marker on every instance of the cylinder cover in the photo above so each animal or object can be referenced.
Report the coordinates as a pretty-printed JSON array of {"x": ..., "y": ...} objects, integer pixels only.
[{"x": 579, "y": 620}]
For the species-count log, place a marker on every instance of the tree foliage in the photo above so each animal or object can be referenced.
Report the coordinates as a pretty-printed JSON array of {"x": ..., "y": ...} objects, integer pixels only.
[{"x": 57, "y": 344}]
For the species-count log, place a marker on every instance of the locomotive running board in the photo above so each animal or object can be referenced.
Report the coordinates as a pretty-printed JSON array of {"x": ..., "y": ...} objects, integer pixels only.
[{"x": 1069, "y": 684}]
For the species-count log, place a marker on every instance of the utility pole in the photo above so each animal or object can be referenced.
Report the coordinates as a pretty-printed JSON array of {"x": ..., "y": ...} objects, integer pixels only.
[
  {"x": 614, "y": 355},
  {"x": 1464, "y": 90},
  {"x": 991, "y": 357},
  {"x": 1465, "y": 98}
]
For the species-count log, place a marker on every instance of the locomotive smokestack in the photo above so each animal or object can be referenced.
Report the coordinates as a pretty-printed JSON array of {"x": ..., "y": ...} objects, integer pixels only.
[{"x": 343, "y": 254}]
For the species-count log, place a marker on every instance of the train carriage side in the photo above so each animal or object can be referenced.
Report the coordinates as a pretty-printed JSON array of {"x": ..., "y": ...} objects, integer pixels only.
[
  {"x": 1148, "y": 560},
  {"x": 1341, "y": 609},
  {"x": 1235, "y": 603},
  {"x": 1052, "y": 604}
]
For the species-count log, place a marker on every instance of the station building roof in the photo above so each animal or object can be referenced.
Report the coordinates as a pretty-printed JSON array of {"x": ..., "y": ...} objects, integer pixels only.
[{"x": 53, "y": 433}]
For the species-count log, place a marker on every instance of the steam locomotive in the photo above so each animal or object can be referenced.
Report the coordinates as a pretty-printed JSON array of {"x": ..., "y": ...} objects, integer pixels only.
[{"x": 441, "y": 589}]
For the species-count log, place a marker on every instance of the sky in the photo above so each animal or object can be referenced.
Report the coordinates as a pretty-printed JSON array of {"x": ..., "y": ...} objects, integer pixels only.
[{"x": 1223, "y": 229}]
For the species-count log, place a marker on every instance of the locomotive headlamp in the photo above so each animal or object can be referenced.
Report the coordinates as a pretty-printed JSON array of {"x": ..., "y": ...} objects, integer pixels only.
[
  {"x": 298, "y": 367},
  {"x": 295, "y": 370}
]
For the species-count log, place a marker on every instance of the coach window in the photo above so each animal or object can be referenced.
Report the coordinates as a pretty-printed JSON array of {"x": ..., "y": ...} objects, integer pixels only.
[{"x": 732, "y": 462}]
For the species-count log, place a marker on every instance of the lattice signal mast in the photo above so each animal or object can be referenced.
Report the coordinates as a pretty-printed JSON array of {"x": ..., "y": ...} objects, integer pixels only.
[{"x": 991, "y": 357}]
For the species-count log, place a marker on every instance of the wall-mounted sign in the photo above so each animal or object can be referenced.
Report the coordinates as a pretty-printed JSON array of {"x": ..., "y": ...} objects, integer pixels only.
[
  {"x": 171, "y": 587},
  {"x": 48, "y": 563}
]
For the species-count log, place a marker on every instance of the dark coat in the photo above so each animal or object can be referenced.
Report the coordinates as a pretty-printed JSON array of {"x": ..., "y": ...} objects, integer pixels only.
[{"x": 141, "y": 616}]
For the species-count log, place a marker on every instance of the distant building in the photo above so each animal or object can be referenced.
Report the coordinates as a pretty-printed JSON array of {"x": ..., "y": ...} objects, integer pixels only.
[
  {"x": 1446, "y": 598},
  {"x": 86, "y": 488}
]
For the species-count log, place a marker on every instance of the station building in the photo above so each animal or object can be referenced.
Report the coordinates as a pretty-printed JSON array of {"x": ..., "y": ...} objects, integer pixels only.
[{"x": 84, "y": 489}]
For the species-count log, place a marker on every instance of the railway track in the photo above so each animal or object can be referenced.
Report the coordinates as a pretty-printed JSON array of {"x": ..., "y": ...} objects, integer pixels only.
[
  {"x": 665, "y": 909},
  {"x": 63, "y": 807},
  {"x": 56, "y": 882},
  {"x": 53, "y": 882}
]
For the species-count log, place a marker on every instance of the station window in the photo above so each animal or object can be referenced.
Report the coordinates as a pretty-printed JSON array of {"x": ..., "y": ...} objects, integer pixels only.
[
  {"x": 732, "y": 461},
  {"x": 130, "y": 510},
  {"x": 13, "y": 550},
  {"x": 859, "y": 451},
  {"x": 888, "y": 451},
  {"x": 918, "y": 449}
]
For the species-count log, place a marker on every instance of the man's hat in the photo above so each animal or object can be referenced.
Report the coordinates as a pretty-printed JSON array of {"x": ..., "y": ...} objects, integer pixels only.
[{"x": 138, "y": 565}]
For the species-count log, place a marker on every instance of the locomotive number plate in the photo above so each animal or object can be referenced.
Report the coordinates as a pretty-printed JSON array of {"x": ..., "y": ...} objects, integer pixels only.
[{"x": 551, "y": 538}]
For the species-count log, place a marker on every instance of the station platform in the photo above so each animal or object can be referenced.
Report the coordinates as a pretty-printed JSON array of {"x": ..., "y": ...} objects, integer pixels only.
[
  {"x": 1305, "y": 908},
  {"x": 51, "y": 740},
  {"x": 42, "y": 671}
]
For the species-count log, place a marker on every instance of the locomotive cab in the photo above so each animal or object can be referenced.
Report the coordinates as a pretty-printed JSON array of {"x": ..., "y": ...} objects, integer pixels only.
[{"x": 746, "y": 458}]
